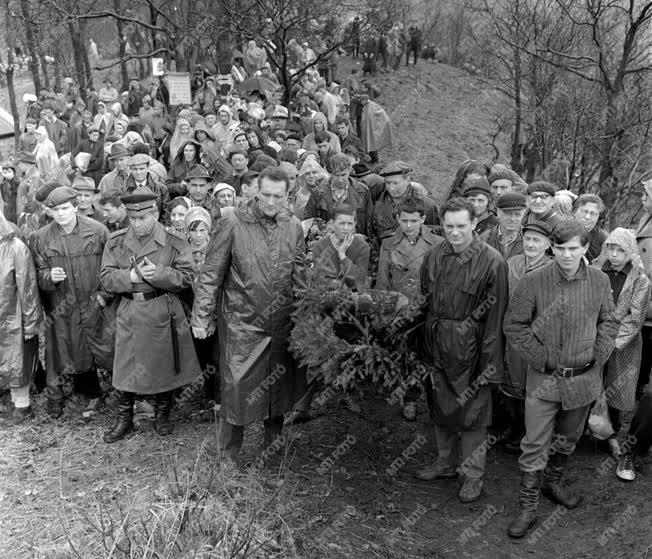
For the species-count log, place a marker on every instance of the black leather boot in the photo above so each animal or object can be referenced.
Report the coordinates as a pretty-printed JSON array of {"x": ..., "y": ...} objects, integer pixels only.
[
  {"x": 553, "y": 486},
  {"x": 124, "y": 403},
  {"x": 528, "y": 501},
  {"x": 162, "y": 408}
]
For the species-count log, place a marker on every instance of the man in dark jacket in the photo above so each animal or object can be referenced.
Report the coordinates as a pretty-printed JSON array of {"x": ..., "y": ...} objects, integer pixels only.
[
  {"x": 86, "y": 196},
  {"x": 135, "y": 97},
  {"x": 506, "y": 237},
  {"x": 67, "y": 254},
  {"x": 57, "y": 129},
  {"x": 587, "y": 209},
  {"x": 95, "y": 147},
  {"x": 560, "y": 318},
  {"x": 399, "y": 190},
  {"x": 465, "y": 284},
  {"x": 540, "y": 199},
  {"x": 341, "y": 189},
  {"x": 347, "y": 138},
  {"x": 140, "y": 177},
  {"x": 255, "y": 260},
  {"x": 478, "y": 192},
  {"x": 115, "y": 213}
]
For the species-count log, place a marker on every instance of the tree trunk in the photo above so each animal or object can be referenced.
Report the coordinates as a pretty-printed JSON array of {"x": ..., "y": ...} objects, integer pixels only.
[
  {"x": 607, "y": 178},
  {"x": 515, "y": 155},
  {"x": 77, "y": 56},
  {"x": 44, "y": 68},
  {"x": 122, "y": 51},
  {"x": 83, "y": 37},
  {"x": 57, "y": 72},
  {"x": 11, "y": 45},
  {"x": 31, "y": 45}
]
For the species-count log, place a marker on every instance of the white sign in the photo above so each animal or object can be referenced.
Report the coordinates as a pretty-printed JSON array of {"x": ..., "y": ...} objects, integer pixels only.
[
  {"x": 179, "y": 88},
  {"x": 158, "y": 66}
]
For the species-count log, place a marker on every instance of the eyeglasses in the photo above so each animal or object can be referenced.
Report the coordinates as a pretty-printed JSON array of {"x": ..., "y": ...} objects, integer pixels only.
[
  {"x": 589, "y": 213},
  {"x": 540, "y": 196}
]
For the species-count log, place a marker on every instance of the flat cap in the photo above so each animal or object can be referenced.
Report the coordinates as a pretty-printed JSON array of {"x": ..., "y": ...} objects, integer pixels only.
[
  {"x": 139, "y": 200},
  {"x": 139, "y": 159},
  {"x": 198, "y": 172},
  {"x": 539, "y": 227},
  {"x": 511, "y": 201},
  {"x": 476, "y": 184},
  {"x": 60, "y": 195},
  {"x": 395, "y": 168},
  {"x": 542, "y": 186},
  {"x": 84, "y": 184}
]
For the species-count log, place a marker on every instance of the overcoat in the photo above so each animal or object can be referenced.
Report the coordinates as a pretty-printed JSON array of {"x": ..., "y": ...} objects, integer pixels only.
[
  {"x": 83, "y": 329},
  {"x": 252, "y": 266},
  {"x": 644, "y": 241},
  {"x": 20, "y": 307},
  {"x": 144, "y": 360},
  {"x": 466, "y": 297}
]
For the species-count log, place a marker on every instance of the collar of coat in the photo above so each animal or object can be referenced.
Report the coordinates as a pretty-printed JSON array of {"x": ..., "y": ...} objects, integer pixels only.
[
  {"x": 426, "y": 234},
  {"x": 469, "y": 252},
  {"x": 250, "y": 213},
  {"x": 581, "y": 274},
  {"x": 156, "y": 239}
]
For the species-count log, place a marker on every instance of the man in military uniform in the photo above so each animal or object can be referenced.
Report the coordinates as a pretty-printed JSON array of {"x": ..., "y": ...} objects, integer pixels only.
[
  {"x": 147, "y": 267},
  {"x": 86, "y": 193},
  {"x": 67, "y": 254},
  {"x": 399, "y": 190}
]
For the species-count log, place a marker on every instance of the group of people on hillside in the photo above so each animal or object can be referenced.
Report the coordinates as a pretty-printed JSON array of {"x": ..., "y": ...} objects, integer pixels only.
[{"x": 173, "y": 262}]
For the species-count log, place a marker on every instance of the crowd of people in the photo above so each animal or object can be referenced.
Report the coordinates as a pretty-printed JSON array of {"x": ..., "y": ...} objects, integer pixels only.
[{"x": 159, "y": 247}]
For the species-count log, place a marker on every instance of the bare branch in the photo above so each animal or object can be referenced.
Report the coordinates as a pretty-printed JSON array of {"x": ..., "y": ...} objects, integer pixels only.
[{"x": 132, "y": 57}]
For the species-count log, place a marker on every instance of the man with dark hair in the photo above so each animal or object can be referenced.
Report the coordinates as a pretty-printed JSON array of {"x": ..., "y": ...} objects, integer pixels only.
[
  {"x": 249, "y": 185},
  {"x": 347, "y": 138},
  {"x": 67, "y": 254},
  {"x": 57, "y": 129},
  {"x": 506, "y": 237},
  {"x": 115, "y": 213},
  {"x": 560, "y": 318},
  {"x": 322, "y": 140},
  {"x": 294, "y": 141},
  {"x": 478, "y": 192},
  {"x": 399, "y": 265},
  {"x": 465, "y": 284},
  {"x": 399, "y": 189},
  {"x": 254, "y": 262},
  {"x": 239, "y": 160},
  {"x": 540, "y": 199},
  {"x": 587, "y": 209},
  {"x": 341, "y": 189}
]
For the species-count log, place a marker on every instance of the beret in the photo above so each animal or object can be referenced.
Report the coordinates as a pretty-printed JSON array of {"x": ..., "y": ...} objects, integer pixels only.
[
  {"x": 60, "y": 195},
  {"x": 538, "y": 226},
  {"x": 84, "y": 184},
  {"x": 502, "y": 174},
  {"x": 395, "y": 168},
  {"x": 542, "y": 186},
  {"x": 511, "y": 200},
  {"x": 44, "y": 191}
]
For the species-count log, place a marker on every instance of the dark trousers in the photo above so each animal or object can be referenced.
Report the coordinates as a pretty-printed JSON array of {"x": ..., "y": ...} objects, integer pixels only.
[
  {"x": 646, "y": 361},
  {"x": 85, "y": 383},
  {"x": 641, "y": 426}
]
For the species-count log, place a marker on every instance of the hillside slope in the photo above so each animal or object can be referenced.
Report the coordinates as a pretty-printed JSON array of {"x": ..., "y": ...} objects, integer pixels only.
[{"x": 442, "y": 116}]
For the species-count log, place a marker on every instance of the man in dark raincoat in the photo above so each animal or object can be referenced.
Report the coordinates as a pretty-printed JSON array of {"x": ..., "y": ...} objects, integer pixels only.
[
  {"x": 67, "y": 254},
  {"x": 147, "y": 266},
  {"x": 465, "y": 283},
  {"x": 255, "y": 259}
]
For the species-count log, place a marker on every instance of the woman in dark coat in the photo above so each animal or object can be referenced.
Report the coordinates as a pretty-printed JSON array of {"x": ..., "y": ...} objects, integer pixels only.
[{"x": 189, "y": 154}]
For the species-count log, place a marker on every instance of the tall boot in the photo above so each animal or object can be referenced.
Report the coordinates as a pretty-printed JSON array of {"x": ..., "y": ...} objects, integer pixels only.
[
  {"x": 124, "y": 403},
  {"x": 553, "y": 486},
  {"x": 528, "y": 501},
  {"x": 162, "y": 408}
]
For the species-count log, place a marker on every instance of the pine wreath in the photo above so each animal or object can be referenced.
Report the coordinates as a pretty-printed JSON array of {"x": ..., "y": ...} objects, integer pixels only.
[{"x": 348, "y": 337}]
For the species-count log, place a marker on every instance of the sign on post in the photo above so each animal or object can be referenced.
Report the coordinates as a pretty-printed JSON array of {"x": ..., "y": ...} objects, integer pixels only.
[
  {"x": 158, "y": 66},
  {"x": 179, "y": 88}
]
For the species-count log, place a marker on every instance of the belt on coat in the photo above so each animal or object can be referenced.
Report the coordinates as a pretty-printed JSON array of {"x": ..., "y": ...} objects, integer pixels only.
[
  {"x": 143, "y": 296},
  {"x": 570, "y": 372}
]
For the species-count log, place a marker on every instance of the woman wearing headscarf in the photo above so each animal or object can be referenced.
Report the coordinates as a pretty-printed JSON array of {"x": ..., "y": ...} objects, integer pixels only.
[
  {"x": 255, "y": 138},
  {"x": 630, "y": 288},
  {"x": 311, "y": 176},
  {"x": 224, "y": 127},
  {"x": 189, "y": 154},
  {"x": 469, "y": 167},
  {"x": 20, "y": 318},
  {"x": 103, "y": 119},
  {"x": 182, "y": 133},
  {"x": 206, "y": 140},
  {"x": 46, "y": 154},
  {"x": 319, "y": 124}
]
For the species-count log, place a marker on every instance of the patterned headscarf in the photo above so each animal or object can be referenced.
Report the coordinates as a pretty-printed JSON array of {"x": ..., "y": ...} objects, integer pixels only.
[{"x": 625, "y": 239}]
